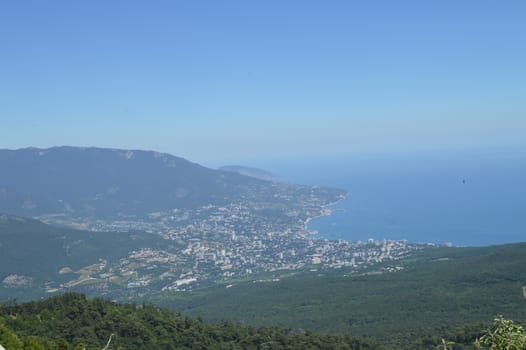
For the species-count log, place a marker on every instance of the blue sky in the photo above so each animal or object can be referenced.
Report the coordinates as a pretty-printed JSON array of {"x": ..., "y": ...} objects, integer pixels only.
[{"x": 230, "y": 81}]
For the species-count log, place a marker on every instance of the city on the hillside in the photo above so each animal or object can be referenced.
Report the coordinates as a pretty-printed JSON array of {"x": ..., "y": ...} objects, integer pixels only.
[{"x": 222, "y": 244}]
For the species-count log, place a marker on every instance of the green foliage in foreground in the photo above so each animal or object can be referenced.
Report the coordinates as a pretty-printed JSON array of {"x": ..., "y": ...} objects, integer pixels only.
[
  {"x": 71, "y": 321},
  {"x": 504, "y": 335}
]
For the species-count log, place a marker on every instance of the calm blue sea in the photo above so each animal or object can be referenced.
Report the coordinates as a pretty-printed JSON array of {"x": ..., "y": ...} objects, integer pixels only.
[{"x": 464, "y": 198}]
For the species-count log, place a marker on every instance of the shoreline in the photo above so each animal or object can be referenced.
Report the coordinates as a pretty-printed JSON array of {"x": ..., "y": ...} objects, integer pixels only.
[{"x": 325, "y": 211}]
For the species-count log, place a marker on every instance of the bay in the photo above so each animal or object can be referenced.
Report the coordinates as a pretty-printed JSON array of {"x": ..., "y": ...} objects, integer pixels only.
[{"x": 466, "y": 198}]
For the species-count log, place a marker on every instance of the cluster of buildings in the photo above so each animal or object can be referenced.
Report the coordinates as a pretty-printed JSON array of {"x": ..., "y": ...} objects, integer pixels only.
[{"x": 214, "y": 244}]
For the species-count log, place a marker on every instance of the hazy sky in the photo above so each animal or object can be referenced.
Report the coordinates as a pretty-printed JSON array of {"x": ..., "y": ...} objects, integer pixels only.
[{"x": 229, "y": 81}]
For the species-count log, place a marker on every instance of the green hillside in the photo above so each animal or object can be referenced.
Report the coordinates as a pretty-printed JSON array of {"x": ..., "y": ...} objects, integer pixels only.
[
  {"x": 72, "y": 320},
  {"x": 438, "y": 293},
  {"x": 34, "y": 255},
  {"x": 112, "y": 183}
]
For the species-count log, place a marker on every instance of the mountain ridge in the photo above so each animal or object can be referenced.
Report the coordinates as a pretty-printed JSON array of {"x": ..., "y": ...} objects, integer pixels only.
[
  {"x": 97, "y": 182},
  {"x": 250, "y": 171}
]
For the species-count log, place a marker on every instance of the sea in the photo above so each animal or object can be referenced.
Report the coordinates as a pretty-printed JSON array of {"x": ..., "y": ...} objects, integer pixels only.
[{"x": 462, "y": 198}]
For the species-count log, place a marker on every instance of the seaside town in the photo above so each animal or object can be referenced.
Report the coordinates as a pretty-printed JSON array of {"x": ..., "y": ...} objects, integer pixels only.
[{"x": 222, "y": 244}]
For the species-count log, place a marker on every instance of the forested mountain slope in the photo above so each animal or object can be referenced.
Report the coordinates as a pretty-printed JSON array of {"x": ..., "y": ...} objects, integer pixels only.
[
  {"x": 72, "y": 320},
  {"x": 35, "y": 257},
  {"x": 114, "y": 183},
  {"x": 440, "y": 292}
]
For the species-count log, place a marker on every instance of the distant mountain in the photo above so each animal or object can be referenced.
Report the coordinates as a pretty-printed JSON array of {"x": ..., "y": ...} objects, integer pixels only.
[
  {"x": 249, "y": 171},
  {"x": 113, "y": 183},
  {"x": 96, "y": 181}
]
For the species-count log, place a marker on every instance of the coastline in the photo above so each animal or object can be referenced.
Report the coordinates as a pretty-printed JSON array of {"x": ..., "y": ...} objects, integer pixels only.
[{"x": 325, "y": 211}]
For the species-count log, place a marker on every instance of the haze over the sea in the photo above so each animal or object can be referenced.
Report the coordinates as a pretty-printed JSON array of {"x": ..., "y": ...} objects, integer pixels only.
[{"x": 469, "y": 198}]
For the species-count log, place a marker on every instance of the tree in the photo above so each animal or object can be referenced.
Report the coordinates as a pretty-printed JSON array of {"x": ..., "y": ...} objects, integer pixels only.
[
  {"x": 62, "y": 345},
  {"x": 8, "y": 339},
  {"x": 33, "y": 343},
  {"x": 505, "y": 335}
]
